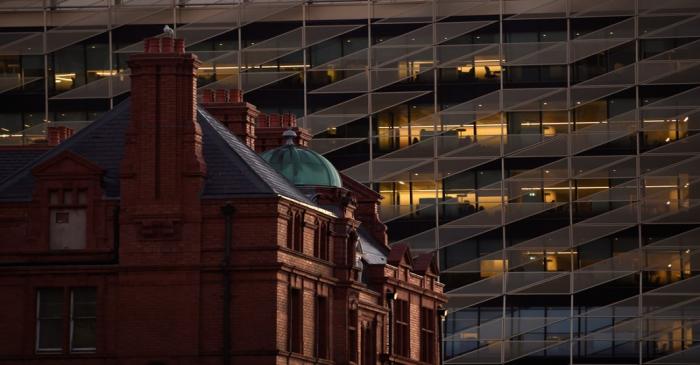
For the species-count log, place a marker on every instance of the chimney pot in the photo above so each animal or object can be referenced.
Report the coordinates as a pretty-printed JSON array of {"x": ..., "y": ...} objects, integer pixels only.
[
  {"x": 236, "y": 96},
  {"x": 58, "y": 134},
  {"x": 179, "y": 46},
  {"x": 152, "y": 45},
  {"x": 166, "y": 45},
  {"x": 221, "y": 96},
  {"x": 275, "y": 120},
  {"x": 208, "y": 96},
  {"x": 263, "y": 120}
]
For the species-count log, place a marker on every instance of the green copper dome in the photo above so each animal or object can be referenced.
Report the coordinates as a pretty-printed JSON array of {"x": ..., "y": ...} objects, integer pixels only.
[{"x": 302, "y": 166}]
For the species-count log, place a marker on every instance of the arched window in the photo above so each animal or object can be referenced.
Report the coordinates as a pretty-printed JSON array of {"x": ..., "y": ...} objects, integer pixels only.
[
  {"x": 299, "y": 232},
  {"x": 321, "y": 241},
  {"x": 290, "y": 229}
]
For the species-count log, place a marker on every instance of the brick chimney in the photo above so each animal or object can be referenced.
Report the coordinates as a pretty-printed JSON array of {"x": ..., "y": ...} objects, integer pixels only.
[
  {"x": 163, "y": 169},
  {"x": 229, "y": 108},
  {"x": 269, "y": 129},
  {"x": 57, "y": 134}
]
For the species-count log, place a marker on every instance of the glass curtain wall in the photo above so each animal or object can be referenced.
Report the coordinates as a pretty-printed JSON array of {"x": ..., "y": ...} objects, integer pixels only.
[{"x": 548, "y": 150}]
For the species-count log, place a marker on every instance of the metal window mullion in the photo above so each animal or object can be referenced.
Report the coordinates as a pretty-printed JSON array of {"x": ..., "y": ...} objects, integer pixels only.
[
  {"x": 504, "y": 282},
  {"x": 569, "y": 158},
  {"x": 640, "y": 303},
  {"x": 368, "y": 69}
]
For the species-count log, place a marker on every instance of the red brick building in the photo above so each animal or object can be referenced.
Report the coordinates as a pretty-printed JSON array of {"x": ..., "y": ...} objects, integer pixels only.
[{"x": 155, "y": 236}]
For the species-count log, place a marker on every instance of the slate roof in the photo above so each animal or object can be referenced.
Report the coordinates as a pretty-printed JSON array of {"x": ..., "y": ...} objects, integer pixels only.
[
  {"x": 13, "y": 160},
  {"x": 233, "y": 169}
]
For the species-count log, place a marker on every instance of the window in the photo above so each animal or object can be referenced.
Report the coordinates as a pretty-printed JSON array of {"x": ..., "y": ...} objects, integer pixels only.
[
  {"x": 369, "y": 350},
  {"x": 290, "y": 231},
  {"x": 53, "y": 330},
  {"x": 298, "y": 238},
  {"x": 427, "y": 335},
  {"x": 321, "y": 241},
  {"x": 352, "y": 335},
  {"x": 401, "y": 329},
  {"x": 295, "y": 321},
  {"x": 68, "y": 219},
  {"x": 83, "y": 319},
  {"x": 322, "y": 333},
  {"x": 49, "y": 320}
]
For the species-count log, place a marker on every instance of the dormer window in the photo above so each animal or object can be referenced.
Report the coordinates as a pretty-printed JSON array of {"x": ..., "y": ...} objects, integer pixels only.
[{"x": 67, "y": 219}]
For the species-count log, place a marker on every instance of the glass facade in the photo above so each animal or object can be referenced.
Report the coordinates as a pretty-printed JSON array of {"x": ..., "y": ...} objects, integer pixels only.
[{"x": 547, "y": 149}]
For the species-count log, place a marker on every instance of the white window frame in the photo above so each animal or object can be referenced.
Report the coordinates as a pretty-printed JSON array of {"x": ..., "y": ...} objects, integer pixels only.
[{"x": 72, "y": 325}]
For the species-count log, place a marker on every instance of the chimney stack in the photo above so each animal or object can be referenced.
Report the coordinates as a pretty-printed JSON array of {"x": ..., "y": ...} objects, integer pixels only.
[
  {"x": 269, "y": 131},
  {"x": 163, "y": 163},
  {"x": 57, "y": 134},
  {"x": 229, "y": 108}
]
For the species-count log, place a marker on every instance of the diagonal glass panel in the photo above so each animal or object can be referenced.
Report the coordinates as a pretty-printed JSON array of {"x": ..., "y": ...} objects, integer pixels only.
[
  {"x": 356, "y": 83},
  {"x": 447, "y": 8},
  {"x": 353, "y": 61},
  {"x": 534, "y": 99},
  {"x": 485, "y": 146},
  {"x": 652, "y": 70},
  {"x": 485, "y": 217},
  {"x": 491, "y": 354},
  {"x": 687, "y": 356},
  {"x": 583, "y": 48},
  {"x": 385, "y": 100},
  {"x": 584, "y": 232},
  {"x": 624, "y": 192},
  {"x": 598, "y": 8},
  {"x": 482, "y": 104},
  {"x": 452, "y": 235},
  {"x": 400, "y": 170},
  {"x": 683, "y": 240},
  {"x": 99, "y": 89},
  {"x": 491, "y": 330},
  {"x": 535, "y": 9},
  {"x": 10, "y": 82},
  {"x": 400, "y": 58},
  {"x": 681, "y": 29},
  {"x": 621, "y": 76},
  {"x": 316, "y": 34},
  {"x": 558, "y": 285},
  {"x": 584, "y": 95},
  {"x": 587, "y": 280},
  {"x": 413, "y": 13},
  {"x": 535, "y": 53},
  {"x": 518, "y": 349},
  {"x": 249, "y": 81},
  {"x": 687, "y": 73},
  {"x": 388, "y": 213},
  {"x": 491, "y": 285},
  {"x": 327, "y": 145},
  {"x": 688, "y": 51},
  {"x": 516, "y": 281},
  {"x": 586, "y": 139},
  {"x": 322, "y": 122},
  {"x": 456, "y": 55},
  {"x": 620, "y": 216},
  {"x": 541, "y": 146},
  {"x": 519, "y": 211}
]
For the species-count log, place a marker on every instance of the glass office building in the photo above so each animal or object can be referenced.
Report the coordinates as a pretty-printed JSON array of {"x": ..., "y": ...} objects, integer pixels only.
[{"x": 547, "y": 149}]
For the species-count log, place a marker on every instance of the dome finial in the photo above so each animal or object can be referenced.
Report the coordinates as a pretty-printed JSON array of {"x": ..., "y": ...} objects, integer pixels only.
[{"x": 289, "y": 135}]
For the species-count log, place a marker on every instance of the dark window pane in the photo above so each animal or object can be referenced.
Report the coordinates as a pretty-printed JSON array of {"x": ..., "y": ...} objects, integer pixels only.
[
  {"x": 50, "y": 303},
  {"x": 83, "y": 334},
  {"x": 50, "y": 334}
]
